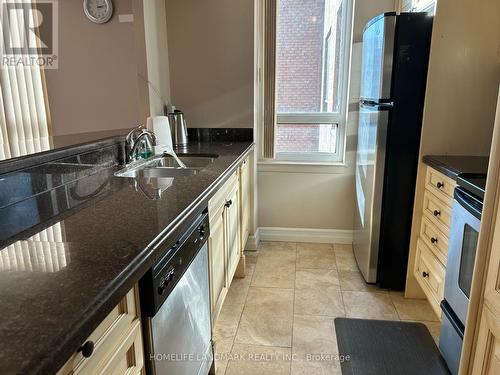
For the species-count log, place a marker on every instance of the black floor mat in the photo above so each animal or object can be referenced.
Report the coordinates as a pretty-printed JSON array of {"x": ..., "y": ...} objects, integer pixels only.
[{"x": 377, "y": 347}]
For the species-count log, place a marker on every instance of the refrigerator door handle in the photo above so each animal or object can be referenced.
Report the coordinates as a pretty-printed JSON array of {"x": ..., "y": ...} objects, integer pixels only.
[{"x": 376, "y": 105}]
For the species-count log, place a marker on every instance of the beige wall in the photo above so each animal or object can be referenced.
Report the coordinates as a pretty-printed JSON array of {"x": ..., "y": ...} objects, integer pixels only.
[
  {"x": 462, "y": 88},
  {"x": 211, "y": 61},
  {"x": 319, "y": 197},
  {"x": 155, "y": 25},
  {"x": 462, "y": 84},
  {"x": 305, "y": 200},
  {"x": 96, "y": 86}
]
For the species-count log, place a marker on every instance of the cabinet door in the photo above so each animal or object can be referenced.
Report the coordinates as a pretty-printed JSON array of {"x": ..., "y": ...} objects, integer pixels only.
[
  {"x": 117, "y": 343},
  {"x": 245, "y": 202},
  {"x": 430, "y": 274},
  {"x": 233, "y": 231},
  {"x": 487, "y": 359},
  {"x": 487, "y": 349},
  {"x": 129, "y": 356},
  {"x": 217, "y": 261}
]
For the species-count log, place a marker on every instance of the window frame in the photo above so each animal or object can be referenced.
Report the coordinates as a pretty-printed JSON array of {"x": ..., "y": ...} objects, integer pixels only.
[
  {"x": 424, "y": 6},
  {"x": 339, "y": 118}
]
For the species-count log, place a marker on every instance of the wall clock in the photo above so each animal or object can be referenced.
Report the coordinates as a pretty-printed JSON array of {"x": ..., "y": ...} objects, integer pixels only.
[{"x": 98, "y": 11}]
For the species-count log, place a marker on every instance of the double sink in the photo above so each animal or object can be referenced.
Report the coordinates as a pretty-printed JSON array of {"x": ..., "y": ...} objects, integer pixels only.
[{"x": 166, "y": 166}]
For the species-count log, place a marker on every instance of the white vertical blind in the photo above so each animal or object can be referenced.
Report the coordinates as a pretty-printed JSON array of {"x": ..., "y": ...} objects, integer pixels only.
[
  {"x": 23, "y": 110},
  {"x": 24, "y": 129},
  {"x": 269, "y": 79}
]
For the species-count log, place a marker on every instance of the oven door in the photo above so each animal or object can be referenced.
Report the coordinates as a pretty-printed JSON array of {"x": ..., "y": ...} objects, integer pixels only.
[{"x": 464, "y": 233}]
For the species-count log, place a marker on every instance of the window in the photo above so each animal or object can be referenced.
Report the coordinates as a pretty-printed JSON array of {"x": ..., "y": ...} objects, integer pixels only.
[
  {"x": 418, "y": 6},
  {"x": 424, "y": 6},
  {"x": 312, "y": 54}
]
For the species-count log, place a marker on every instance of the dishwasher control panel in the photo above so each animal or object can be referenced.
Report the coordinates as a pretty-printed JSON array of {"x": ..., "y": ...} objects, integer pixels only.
[{"x": 161, "y": 279}]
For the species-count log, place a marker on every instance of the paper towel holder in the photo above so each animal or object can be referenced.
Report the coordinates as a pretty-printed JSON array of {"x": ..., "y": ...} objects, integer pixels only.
[{"x": 160, "y": 125}]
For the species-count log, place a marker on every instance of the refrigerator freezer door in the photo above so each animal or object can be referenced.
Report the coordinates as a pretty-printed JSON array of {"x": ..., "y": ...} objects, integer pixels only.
[
  {"x": 378, "y": 50},
  {"x": 372, "y": 135}
]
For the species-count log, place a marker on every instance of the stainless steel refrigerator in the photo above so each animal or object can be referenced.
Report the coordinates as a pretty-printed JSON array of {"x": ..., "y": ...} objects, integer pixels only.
[{"x": 393, "y": 80}]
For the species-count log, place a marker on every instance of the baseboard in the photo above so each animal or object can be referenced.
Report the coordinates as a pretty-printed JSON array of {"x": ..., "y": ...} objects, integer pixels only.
[
  {"x": 306, "y": 235},
  {"x": 253, "y": 241}
]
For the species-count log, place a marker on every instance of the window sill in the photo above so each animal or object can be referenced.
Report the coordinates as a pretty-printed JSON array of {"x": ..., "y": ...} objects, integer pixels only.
[{"x": 302, "y": 167}]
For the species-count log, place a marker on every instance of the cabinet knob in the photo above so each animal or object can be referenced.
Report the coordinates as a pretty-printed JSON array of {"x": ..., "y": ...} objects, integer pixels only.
[
  {"x": 434, "y": 240},
  {"x": 228, "y": 203},
  {"x": 440, "y": 185},
  {"x": 425, "y": 274},
  {"x": 437, "y": 213},
  {"x": 87, "y": 349}
]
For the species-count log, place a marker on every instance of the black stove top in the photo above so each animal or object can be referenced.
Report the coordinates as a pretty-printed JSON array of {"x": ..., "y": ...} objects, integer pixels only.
[{"x": 474, "y": 184}]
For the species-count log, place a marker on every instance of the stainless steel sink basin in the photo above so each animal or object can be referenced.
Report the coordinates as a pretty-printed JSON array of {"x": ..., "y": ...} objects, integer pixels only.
[
  {"x": 158, "y": 172},
  {"x": 165, "y": 166},
  {"x": 196, "y": 161}
]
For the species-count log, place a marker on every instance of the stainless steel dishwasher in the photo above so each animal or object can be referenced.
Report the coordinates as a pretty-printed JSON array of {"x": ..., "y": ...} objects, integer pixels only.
[{"x": 175, "y": 306}]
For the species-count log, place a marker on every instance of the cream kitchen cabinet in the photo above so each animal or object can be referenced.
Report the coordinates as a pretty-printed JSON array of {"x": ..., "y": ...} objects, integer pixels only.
[
  {"x": 115, "y": 346},
  {"x": 433, "y": 227},
  {"x": 224, "y": 244},
  {"x": 229, "y": 214}
]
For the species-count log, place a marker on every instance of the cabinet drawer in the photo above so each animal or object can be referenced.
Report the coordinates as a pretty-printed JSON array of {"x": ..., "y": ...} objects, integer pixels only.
[
  {"x": 440, "y": 185},
  {"x": 437, "y": 212},
  {"x": 430, "y": 274},
  {"x": 107, "y": 337},
  {"x": 436, "y": 240}
]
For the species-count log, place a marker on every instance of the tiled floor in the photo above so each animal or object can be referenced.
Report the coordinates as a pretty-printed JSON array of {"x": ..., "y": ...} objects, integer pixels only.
[{"x": 279, "y": 319}]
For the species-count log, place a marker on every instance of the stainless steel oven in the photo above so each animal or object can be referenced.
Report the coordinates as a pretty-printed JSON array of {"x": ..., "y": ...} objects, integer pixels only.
[{"x": 464, "y": 234}]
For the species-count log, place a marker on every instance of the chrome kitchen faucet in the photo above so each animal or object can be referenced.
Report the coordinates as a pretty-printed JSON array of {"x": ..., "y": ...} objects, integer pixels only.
[{"x": 141, "y": 144}]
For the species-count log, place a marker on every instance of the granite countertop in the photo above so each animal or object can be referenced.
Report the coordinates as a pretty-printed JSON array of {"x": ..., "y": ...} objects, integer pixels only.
[
  {"x": 452, "y": 166},
  {"x": 69, "y": 254}
]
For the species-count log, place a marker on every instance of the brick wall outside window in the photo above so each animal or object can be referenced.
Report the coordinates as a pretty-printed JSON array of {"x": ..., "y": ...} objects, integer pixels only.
[
  {"x": 299, "y": 55},
  {"x": 301, "y": 33}
]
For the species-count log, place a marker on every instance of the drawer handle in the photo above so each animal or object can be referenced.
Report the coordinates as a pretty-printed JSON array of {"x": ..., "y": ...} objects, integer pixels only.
[
  {"x": 87, "y": 349},
  {"x": 434, "y": 240},
  {"x": 425, "y": 274},
  {"x": 440, "y": 185},
  {"x": 437, "y": 213}
]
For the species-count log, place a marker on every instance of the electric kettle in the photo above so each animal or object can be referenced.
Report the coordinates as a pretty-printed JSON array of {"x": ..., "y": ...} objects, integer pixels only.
[{"x": 178, "y": 128}]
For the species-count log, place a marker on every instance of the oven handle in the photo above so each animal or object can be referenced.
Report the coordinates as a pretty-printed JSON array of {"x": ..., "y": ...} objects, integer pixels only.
[
  {"x": 453, "y": 318},
  {"x": 467, "y": 202}
]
